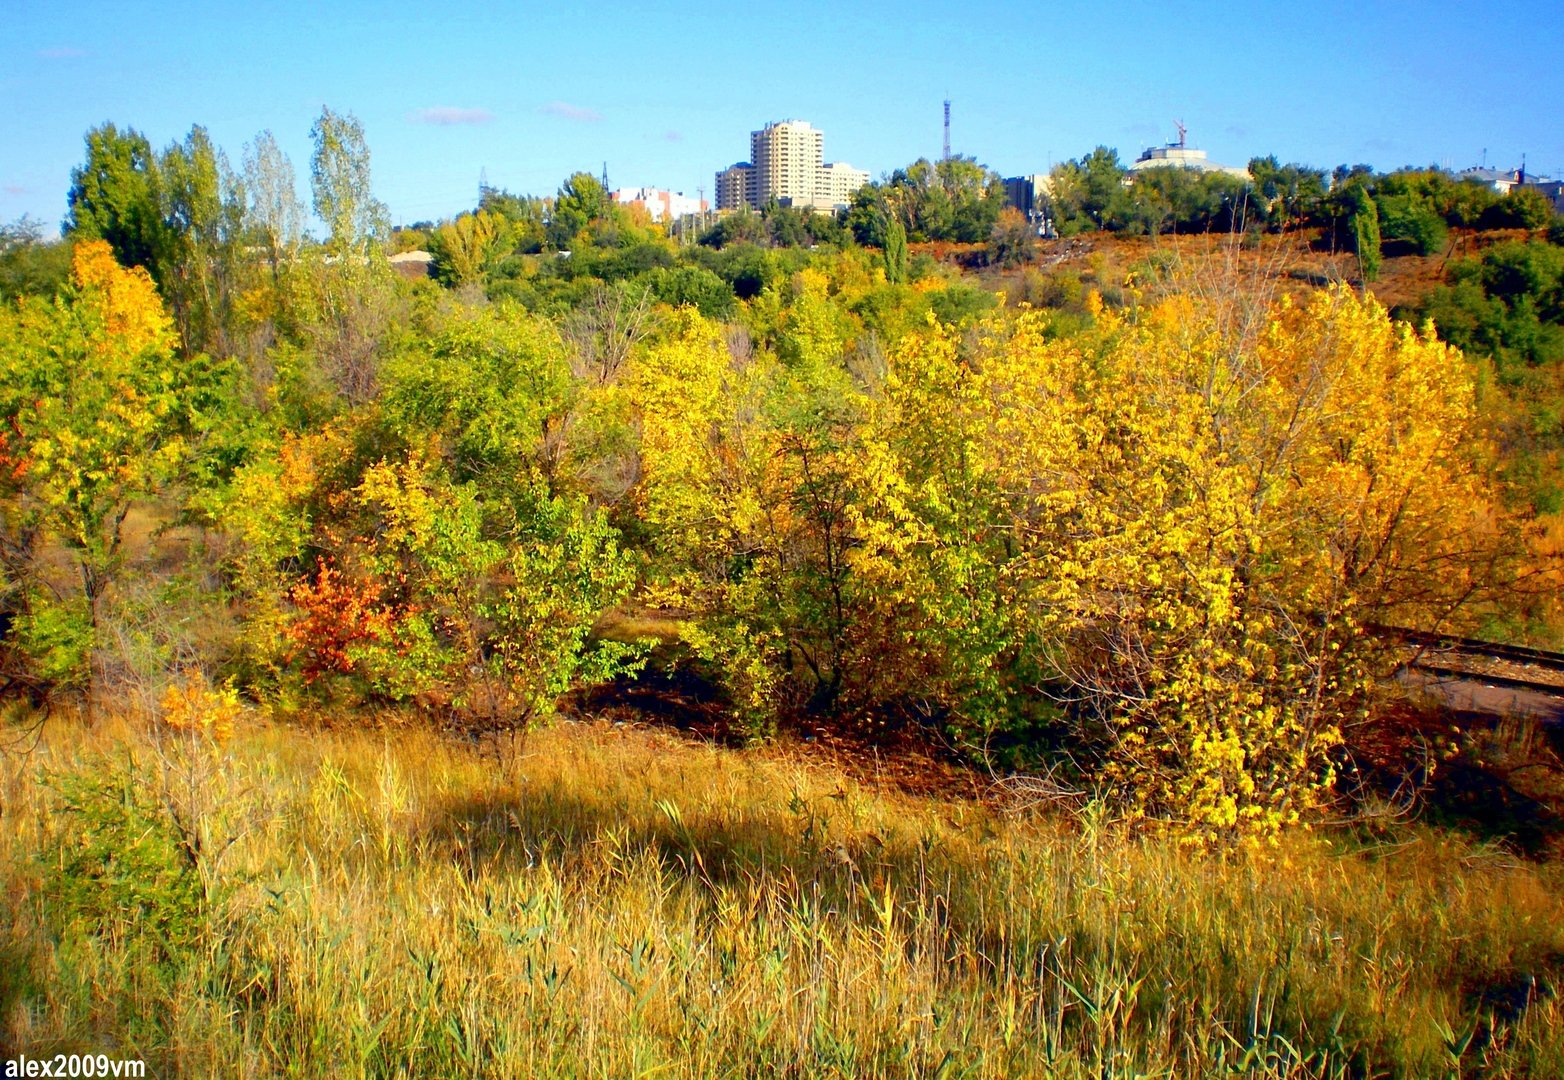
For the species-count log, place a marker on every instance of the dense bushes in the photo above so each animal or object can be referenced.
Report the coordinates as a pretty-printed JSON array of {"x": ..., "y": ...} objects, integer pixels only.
[
  {"x": 1146, "y": 540},
  {"x": 1139, "y": 545}
]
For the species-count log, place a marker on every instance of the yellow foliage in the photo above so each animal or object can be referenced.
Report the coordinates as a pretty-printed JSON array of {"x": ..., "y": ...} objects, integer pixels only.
[
  {"x": 193, "y": 706},
  {"x": 1183, "y": 528},
  {"x": 132, "y": 311}
]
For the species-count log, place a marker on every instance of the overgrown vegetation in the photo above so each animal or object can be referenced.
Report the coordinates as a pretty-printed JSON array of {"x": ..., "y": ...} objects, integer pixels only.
[
  {"x": 611, "y": 901},
  {"x": 1136, "y": 539}
]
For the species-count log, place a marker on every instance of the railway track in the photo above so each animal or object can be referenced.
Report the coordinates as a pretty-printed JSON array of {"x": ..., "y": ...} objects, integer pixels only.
[{"x": 1482, "y": 676}]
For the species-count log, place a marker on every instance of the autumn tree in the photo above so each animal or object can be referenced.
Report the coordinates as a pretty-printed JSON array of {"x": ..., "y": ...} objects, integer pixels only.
[
  {"x": 95, "y": 406},
  {"x": 356, "y": 221},
  {"x": 419, "y": 550},
  {"x": 1087, "y": 194},
  {"x": 29, "y": 264},
  {"x": 1364, "y": 223},
  {"x": 952, "y": 199},
  {"x": 202, "y": 261},
  {"x": 467, "y": 248},
  {"x": 1285, "y": 195},
  {"x": 895, "y": 253},
  {"x": 1013, "y": 241},
  {"x": 1176, "y": 530}
]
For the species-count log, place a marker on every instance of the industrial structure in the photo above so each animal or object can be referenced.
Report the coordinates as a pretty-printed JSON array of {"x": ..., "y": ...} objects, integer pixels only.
[{"x": 787, "y": 163}]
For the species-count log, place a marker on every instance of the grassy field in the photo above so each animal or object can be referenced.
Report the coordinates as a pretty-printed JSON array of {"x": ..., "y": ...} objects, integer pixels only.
[{"x": 600, "y": 900}]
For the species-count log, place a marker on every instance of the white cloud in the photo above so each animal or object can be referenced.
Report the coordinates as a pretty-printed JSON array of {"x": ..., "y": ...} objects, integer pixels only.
[
  {"x": 62, "y": 53},
  {"x": 580, "y": 114},
  {"x": 446, "y": 115}
]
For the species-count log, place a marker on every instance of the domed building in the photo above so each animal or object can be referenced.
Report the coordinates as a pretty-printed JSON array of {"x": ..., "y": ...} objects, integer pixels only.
[{"x": 1183, "y": 156}]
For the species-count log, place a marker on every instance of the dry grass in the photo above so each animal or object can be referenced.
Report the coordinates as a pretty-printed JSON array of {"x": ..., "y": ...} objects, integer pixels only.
[{"x": 610, "y": 901}]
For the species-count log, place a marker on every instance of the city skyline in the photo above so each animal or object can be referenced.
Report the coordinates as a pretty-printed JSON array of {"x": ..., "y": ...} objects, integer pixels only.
[{"x": 529, "y": 95}]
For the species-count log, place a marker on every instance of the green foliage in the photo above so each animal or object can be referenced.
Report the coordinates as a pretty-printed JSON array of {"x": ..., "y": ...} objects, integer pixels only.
[
  {"x": 57, "y": 637},
  {"x": 491, "y": 386},
  {"x": 561, "y": 582},
  {"x": 115, "y": 196},
  {"x": 30, "y": 265},
  {"x": 200, "y": 266},
  {"x": 128, "y": 873},
  {"x": 1285, "y": 195},
  {"x": 96, "y": 406},
  {"x": 1087, "y": 194},
  {"x": 179, "y": 214},
  {"x": 1521, "y": 208},
  {"x": 1404, "y": 218},
  {"x": 1364, "y": 223},
  {"x": 695, "y": 286},
  {"x": 776, "y": 226},
  {"x": 525, "y": 213},
  {"x": 467, "y": 249},
  {"x": 356, "y": 222},
  {"x": 952, "y": 199},
  {"x": 275, "y": 217},
  {"x": 895, "y": 253},
  {"x": 1411, "y": 194},
  {"x": 429, "y": 549},
  {"x": 1507, "y": 304},
  {"x": 582, "y": 204},
  {"x": 745, "y": 226},
  {"x": 1176, "y": 199},
  {"x": 959, "y": 304}
]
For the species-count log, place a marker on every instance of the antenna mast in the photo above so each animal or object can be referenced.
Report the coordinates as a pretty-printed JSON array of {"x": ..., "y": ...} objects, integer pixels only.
[
  {"x": 1182, "y": 131},
  {"x": 947, "y": 130}
]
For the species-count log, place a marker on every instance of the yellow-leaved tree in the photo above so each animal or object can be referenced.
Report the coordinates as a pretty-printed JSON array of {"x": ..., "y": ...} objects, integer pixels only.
[
  {"x": 93, "y": 405},
  {"x": 748, "y": 465},
  {"x": 1175, "y": 532}
]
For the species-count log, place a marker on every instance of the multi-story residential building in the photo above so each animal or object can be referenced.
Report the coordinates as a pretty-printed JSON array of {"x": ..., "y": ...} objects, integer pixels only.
[
  {"x": 836, "y": 183},
  {"x": 787, "y": 155},
  {"x": 787, "y": 163},
  {"x": 661, "y": 205},
  {"x": 736, "y": 187}
]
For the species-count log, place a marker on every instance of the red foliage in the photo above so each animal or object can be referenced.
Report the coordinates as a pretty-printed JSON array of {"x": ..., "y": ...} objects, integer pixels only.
[{"x": 334, "y": 615}]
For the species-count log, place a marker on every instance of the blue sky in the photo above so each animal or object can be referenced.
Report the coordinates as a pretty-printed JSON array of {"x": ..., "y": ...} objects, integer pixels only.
[{"x": 668, "y": 93}]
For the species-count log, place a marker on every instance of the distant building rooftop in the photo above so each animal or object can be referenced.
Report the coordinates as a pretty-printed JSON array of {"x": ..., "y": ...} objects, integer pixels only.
[{"x": 1177, "y": 155}]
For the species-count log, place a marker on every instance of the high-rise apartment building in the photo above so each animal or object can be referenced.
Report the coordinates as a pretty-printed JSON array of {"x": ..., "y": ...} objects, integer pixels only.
[
  {"x": 787, "y": 163},
  {"x": 836, "y": 183},
  {"x": 736, "y": 187}
]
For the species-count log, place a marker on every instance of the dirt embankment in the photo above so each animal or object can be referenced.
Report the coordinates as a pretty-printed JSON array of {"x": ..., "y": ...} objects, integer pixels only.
[{"x": 1301, "y": 259}]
